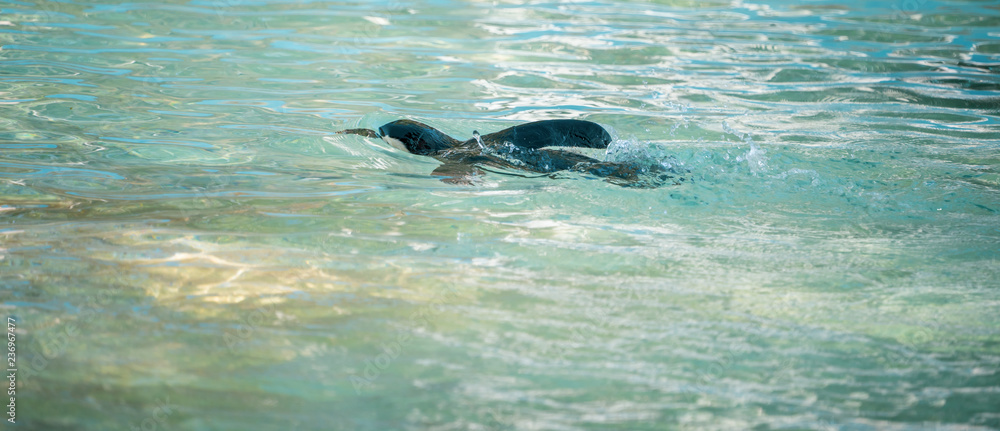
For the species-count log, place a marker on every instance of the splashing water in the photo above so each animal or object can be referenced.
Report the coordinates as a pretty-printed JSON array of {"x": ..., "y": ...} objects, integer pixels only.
[
  {"x": 642, "y": 154},
  {"x": 479, "y": 140},
  {"x": 755, "y": 157}
]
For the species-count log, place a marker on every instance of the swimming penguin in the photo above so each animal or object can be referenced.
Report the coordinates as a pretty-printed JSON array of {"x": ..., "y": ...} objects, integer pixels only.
[{"x": 520, "y": 147}]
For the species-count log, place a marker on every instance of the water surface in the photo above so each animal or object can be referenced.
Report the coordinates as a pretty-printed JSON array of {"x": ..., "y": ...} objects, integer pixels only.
[{"x": 185, "y": 244}]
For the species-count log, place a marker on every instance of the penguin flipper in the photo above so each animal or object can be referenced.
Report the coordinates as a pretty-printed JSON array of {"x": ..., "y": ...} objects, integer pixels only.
[{"x": 456, "y": 173}]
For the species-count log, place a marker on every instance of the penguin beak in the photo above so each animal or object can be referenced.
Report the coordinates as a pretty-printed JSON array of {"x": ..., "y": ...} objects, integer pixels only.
[{"x": 368, "y": 133}]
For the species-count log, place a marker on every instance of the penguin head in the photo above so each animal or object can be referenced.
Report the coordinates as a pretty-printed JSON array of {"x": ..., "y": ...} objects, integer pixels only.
[{"x": 415, "y": 137}]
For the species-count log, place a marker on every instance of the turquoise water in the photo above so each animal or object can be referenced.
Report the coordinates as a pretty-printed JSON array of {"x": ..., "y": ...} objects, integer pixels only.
[{"x": 186, "y": 245}]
